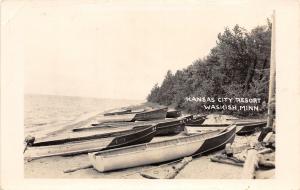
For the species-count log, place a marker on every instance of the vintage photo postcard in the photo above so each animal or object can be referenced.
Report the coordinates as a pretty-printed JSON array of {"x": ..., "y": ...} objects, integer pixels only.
[{"x": 185, "y": 91}]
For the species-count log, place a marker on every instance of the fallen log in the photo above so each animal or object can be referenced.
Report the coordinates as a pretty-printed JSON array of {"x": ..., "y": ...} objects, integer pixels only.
[
  {"x": 263, "y": 133},
  {"x": 226, "y": 161},
  {"x": 266, "y": 164},
  {"x": 262, "y": 161},
  {"x": 250, "y": 165},
  {"x": 268, "y": 137},
  {"x": 166, "y": 172},
  {"x": 78, "y": 168},
  {"x": 265, "y": 151}
]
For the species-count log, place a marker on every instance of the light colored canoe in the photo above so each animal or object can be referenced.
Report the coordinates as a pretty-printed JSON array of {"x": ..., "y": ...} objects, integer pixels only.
[{"x": 157, "y": 152}]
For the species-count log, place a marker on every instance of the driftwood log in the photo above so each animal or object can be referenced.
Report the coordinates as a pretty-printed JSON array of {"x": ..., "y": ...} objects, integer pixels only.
[
  {"x": 227, "y": 160},
  {"x": 78, "y": 168},
  {"x": 265, "y": 161},
  {"x": 166, "y": 171}
]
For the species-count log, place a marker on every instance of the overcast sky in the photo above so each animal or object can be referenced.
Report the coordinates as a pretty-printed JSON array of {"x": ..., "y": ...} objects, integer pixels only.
[{"x": 116, "y": 50}]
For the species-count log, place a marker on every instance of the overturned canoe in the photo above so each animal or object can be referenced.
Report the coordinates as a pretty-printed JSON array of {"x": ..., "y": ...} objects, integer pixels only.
[
  {"x": 157, "y": 152},
  {"x": 246, "y": 129},
  {"x": 89, "y": 143}
]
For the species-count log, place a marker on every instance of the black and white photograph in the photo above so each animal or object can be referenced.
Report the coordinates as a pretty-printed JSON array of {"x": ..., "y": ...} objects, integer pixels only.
[{"x": 141, "y": 90}]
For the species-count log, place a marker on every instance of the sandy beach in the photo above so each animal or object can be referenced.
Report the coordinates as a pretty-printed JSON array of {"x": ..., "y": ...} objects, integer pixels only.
[{"x": 199, "y": 168}]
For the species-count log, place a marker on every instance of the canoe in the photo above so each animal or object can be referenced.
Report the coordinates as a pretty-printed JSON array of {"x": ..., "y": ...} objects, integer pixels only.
[
  {"x": 152, "y": 114},
  {"x": 173, "y": 113},
  {"x": 168, "y": 127},
  {"x": 163, "y": 127},
  {"x": 157, "y": 152},
  {"x": 156, "y": 113},
  {"x": 123, "y": 111},
  {"x": 90, "y": 143},
  {"x": 196, "y": 120},
  {"x": 247, "y": 129}
]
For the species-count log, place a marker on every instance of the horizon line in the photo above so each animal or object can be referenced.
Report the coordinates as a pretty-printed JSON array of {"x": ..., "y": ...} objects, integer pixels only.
[{"x": 74, "y": 96}]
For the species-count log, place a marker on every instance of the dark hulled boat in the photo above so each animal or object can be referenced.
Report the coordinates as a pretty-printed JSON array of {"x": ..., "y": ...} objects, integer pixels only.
[
  {"x": 84, "y": 143},
  {"x": 196, "y": 120},
  {"x": 153, "y": 114},
  {"x": 163, "y": 127},
  {"x": 123, "y": 111},
  {"x": 246, "y": 129},
  {"x": 173, "y": 113}
]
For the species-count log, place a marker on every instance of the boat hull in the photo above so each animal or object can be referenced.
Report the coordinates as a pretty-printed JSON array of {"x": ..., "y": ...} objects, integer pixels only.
[
  {"x": 250, "y": 128},
  {"x": 173, "y": 114},
  {"x": 196, "y": 121},
  {"x": 159, "y": 113},
  {"x": 168, "y": 127},
  {"x": 92, "y": 145},
  {"x": 163, "y": 127},
  {"x": 163, "y": 151}
]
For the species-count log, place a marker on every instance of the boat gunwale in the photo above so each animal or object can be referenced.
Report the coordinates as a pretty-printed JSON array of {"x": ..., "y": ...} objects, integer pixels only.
[
  {"x": 87, "y": 141},
  {"x": 249, "y": 124},
  {"x": 106, "y": 154},
  {"x": 90, "y": 150}
]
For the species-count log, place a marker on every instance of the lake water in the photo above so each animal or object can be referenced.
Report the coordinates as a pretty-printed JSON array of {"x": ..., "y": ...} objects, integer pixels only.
[{"x": 45, "y": 113}]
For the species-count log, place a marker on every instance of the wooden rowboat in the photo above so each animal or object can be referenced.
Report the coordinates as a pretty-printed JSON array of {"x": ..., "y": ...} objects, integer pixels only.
[
  {"x": 163, "y": 127},
  {"x": 238, "y": 123},
  {"x": 173, "y": 113},
  {"x": 157, "y": 113},
  {"x": 168, "y": 127},
  {"x": 247, "y": 129},
  {"x": 152, "y": 114},
  {"x": 89, "y": 143},
  {"x": 196, "y": 120},
  {"x": 157, "y": 152},
  {"x": 123, "y": 111}
]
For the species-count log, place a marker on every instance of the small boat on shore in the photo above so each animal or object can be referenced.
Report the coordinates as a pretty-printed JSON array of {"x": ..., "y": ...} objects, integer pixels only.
[
  {"x": 89, "y": 143},
  {"x": 173, "y": 113},
  {"x": 196, "y": 120},
  {"x": 157, "y": 152},
  {"x": 247, "y": 129},
  {"x": 237, "y": 123},
  {"x": 163, "y": 127},
  {"x": 168, "y": 127},
  {"x": 155, "y": 113},
  {"x": 123, "y": 111},
  {"x": 151, "y": 114}
]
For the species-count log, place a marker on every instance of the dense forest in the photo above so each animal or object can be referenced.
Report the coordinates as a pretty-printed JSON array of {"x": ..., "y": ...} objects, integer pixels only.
[{"x": 238, "y": 66}]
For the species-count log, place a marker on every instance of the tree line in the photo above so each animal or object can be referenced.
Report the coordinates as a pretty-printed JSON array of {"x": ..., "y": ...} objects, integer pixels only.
[{"x": 238, "y": 66}]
